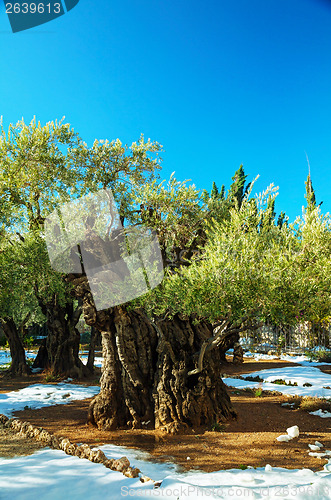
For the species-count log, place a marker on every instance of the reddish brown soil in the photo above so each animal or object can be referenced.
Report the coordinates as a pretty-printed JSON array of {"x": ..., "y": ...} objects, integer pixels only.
[{"x": 249, "y": 440}]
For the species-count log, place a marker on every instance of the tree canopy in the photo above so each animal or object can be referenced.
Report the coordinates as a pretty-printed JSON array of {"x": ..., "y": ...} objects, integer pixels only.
[{"x": 232, "y": 257}]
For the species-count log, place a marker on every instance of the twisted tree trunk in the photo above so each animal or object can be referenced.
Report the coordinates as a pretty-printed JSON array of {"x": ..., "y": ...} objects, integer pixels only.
[
  {"x": 129, "y": 352},
  {"x": 185, "y": 396},
  {"x": 146, "y": 380},
  {"x": 230, "y": 340},
  {"x": 60, "y": 350},
  {"x": 18, "y": 365}
]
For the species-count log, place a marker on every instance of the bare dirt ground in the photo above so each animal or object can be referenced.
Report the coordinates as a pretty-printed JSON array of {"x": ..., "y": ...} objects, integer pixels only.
[
  {"x": 12, "y": 445},
  {"x": 248, "y": 440}
]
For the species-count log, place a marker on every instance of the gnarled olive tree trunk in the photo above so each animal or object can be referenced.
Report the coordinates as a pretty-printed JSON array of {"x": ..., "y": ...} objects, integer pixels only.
[
  {"x": 186, "y": 394},
  {"x": 146, "y": 379},
  {"x": 230, "y": 340},
  {"x": 18, "y": 365},
  {"x": 129, "y": 350},
  {"x": 60, "y": 350}
]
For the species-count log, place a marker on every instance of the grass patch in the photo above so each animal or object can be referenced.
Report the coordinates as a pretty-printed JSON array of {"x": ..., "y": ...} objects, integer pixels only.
[
  {"x": 310, "y": 403},
  {"x": 323, "y": 355},
  {"x": 280, "y": 381},
  {"x": 50, "y": 376},
  {"x": 253, "y": 379},
  {"x": 295, "y": 401},
  {"x": 248, "y": 390},
  {"x": 217, "y": 427},
  {"x": 258, "y": 392}
]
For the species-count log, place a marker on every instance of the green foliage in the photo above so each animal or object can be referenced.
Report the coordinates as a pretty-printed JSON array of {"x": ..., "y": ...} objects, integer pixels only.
[
  {"x": 42, "y": 167},
  {"x": 49, "y": 376},
  {"x": 173, "y": 209},
  {"x": 26, "y": 278},
  {"x": 253, "y": 379},
  {"x": 238, "y": 190},
  {"x": 321, "y": 355},
  {"x": 36, "y": 173},
  {"x": 258, "y": 392},
  {"x": 236, "y": 273},
  {"x": 281, "y": 342},
  {"x": 28, "y": 342},
  {"x": 217, "y": 427},
  {"x": 310, "y": 194},
  {"x": 280, "y": 381},
  {"x": 118, "y": 167},
  {"x": 313, "y": 265},
  {"x": 282, "y": 219},
  {"x": 310, "y": 404},
  {"x": 214, "y": 191},
  {"x": 254, "y": 270},
  {"x": 235, "y": 261}
]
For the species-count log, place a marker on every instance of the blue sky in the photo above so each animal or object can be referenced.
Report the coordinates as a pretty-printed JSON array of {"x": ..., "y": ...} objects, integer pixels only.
[{"x": 217, "y": 83}]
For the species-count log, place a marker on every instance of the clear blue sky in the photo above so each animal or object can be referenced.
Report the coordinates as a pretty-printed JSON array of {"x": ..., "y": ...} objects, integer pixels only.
[{"x": 218, "y": 83}]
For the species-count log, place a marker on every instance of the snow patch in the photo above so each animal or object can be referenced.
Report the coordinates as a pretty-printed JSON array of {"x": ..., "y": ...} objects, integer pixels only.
[
  {"x": 51, "y": 474},
  {"x": 41, "y": 395},
  {"x": 321, "y": 413}
]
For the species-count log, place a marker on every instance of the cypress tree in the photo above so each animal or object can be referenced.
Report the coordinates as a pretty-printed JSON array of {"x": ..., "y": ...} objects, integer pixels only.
[
  {"x": 237, "y": 188},
  {"x": 281, "y": 220},
  {"x": 310, "y": 193},
  {"x": 222, "y": 192},
  {"x": 214, "y": 191}
]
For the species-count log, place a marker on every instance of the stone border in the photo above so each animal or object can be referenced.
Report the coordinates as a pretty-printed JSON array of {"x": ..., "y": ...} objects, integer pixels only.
[{"x": 28, "y": 430}]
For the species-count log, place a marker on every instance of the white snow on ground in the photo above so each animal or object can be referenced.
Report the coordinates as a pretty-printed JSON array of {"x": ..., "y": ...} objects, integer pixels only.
[
  {"x": 300, "y": 374},
  {"x": 51, "y": 475},
  {"x": 321, "y": 413},
  {"x": 97, "y": 360},
  {"x": 5, "y": 357},
  {"x": 299, "y": 358},
  {"x": 41, "y": 395}
]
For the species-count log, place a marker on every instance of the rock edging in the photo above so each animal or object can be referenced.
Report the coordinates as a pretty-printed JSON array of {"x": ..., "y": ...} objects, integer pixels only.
[{"x": 28, "y": 430}]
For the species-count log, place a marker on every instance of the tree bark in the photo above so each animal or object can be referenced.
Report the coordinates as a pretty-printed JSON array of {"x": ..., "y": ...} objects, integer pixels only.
[
  {"x": 183, "y": 400},
  {"x": 129, "y": 358},
  {"x": 18, "y": 365},
  {"x": 60, "y": 350},
  {"x": 238, "y": 354},
  {"x": 145, "y": 380},
  {"x": 228, "y": 341}
]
